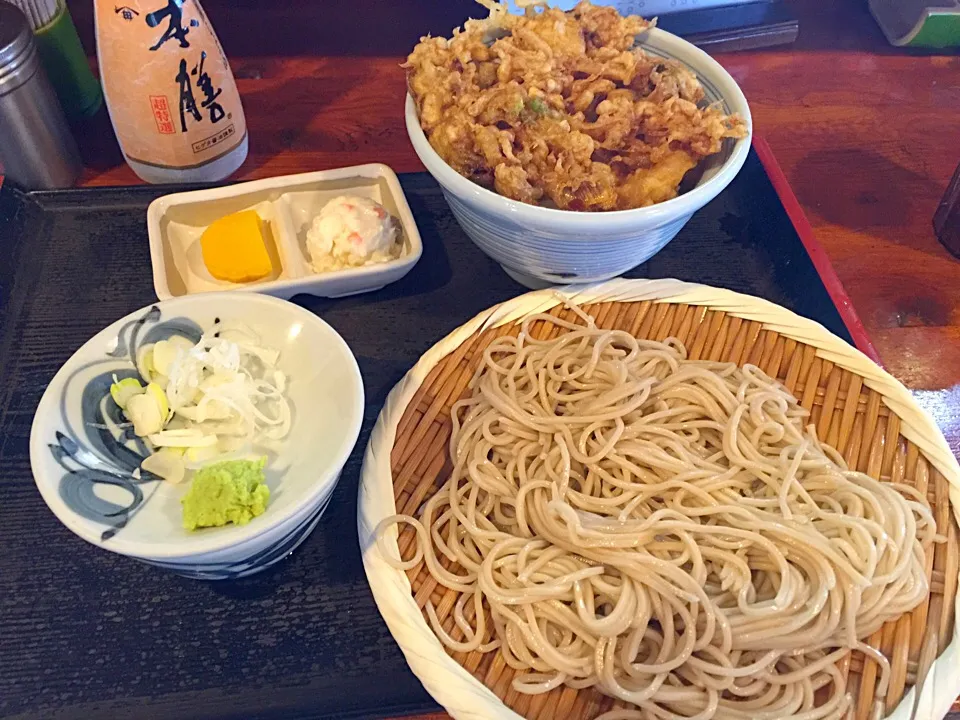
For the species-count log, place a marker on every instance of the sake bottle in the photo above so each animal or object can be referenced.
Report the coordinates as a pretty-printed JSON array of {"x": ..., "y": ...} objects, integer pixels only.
[{"x": 172, "y": 98}]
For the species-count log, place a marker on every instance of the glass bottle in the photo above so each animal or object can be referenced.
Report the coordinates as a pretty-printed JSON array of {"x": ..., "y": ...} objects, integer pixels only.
[{"x": 172, "y": 97}]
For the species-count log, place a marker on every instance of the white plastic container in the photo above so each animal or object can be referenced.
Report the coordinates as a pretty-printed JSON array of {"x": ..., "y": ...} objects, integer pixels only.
[
  {"x": 171, "y": 95},
  {"x": 175, "y": 224}
]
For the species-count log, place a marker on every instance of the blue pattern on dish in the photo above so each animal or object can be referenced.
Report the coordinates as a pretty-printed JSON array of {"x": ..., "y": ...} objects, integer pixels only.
[
  {"x": 256, "y": 562},
  {"x": 105, "y": 451}
]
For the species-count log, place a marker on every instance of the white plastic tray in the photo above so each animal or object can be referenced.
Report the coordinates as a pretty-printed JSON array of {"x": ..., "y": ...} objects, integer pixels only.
[{"x": 288, "y": 204}]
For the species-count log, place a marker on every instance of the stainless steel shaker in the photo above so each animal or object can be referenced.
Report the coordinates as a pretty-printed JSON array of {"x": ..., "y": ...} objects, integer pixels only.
[{"x": 36, "y": 147}]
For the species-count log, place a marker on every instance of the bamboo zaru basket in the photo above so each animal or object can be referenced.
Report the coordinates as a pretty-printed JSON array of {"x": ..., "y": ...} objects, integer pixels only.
[{"x": 856, "y": 407}]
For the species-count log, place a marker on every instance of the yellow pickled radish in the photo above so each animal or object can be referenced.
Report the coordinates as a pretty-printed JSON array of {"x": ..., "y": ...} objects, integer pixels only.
[{"x": 235, "y": 248}]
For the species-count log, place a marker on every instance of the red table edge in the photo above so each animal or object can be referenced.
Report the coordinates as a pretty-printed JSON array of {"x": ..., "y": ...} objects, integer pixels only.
[
  {"x": 818, "y": 255},
  {"x": 815, "y": 250}
]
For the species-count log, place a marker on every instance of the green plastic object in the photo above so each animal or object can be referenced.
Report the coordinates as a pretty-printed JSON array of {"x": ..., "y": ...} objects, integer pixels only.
[
  {"x": 919, "y": 23},
  {"x": 937, "y": 30},
  {"x": 67, "y": 66}
]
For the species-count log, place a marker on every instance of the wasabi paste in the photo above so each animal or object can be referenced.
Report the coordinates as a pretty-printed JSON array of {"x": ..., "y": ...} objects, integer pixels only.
[{"x": 226, "y": 492}]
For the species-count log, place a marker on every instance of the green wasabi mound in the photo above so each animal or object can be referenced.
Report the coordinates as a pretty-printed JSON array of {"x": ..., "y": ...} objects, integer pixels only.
[{"x": 232, "y": 491}]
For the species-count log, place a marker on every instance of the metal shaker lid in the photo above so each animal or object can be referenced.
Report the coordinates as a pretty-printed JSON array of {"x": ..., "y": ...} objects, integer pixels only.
[{"x": 18, "y": 51}]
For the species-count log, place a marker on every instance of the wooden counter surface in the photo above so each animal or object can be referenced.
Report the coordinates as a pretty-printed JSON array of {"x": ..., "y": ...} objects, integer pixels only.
[{"x": 867, "y": 136}]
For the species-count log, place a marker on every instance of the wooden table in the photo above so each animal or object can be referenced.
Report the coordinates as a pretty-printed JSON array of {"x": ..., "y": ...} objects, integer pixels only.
[{"x": 867, "y": 136}]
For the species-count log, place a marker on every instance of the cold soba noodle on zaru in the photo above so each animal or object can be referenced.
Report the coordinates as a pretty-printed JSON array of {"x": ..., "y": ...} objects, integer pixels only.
[{"x": 665, "y": 530}]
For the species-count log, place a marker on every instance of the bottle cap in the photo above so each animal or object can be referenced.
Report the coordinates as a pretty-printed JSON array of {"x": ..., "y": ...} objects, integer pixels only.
[{"x": 18, "y": 52}]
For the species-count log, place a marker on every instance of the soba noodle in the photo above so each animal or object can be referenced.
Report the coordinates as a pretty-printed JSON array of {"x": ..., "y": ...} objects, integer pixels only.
[{"x": 664, "y": 530}]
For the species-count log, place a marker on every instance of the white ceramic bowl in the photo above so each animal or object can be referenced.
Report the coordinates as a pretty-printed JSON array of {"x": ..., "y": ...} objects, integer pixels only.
[
  {"x": 541, "y": 246},
  {"x": 85, "y": 473},
  {"x": 250, "y": 557}
]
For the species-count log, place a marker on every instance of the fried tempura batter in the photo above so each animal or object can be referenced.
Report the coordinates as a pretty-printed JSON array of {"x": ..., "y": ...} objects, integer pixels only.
[{"x": 560, "y": 109}]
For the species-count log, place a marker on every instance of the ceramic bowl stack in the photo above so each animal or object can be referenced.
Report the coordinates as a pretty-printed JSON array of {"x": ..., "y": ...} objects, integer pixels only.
[
  {"x": 540, "y": 246},
  {"x": 89, "y": 476}
]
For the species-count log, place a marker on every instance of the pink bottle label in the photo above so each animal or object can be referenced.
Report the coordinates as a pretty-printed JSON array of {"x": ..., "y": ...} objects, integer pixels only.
[{"x": 173, "y": 100}]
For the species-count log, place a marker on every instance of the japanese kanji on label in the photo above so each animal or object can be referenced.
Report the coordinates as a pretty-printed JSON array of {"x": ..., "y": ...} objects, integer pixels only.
[{"x": 172, "y": 97}]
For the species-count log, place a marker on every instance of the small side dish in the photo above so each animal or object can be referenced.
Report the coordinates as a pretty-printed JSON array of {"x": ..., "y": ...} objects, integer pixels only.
[
  {"x": 235, "y": 247},
  {"x": 202, "y": 400},
  {"x": 563, "y": 110},
  {"x": 252, "y": 403},
  {"x": 254, "y": 236},
  {"x": 194, "y": 403},
  {"x": 352, "y": 231}
]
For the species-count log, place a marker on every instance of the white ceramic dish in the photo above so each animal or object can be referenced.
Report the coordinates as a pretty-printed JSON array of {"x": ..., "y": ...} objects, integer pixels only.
[
  {"x": 452, "y": 685},
  {"x": 86, "y": 475},
  {"x": 251, "y": 557},
  {"x": 288, "y": 204},
  {"x": 540, "y": 246}
]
